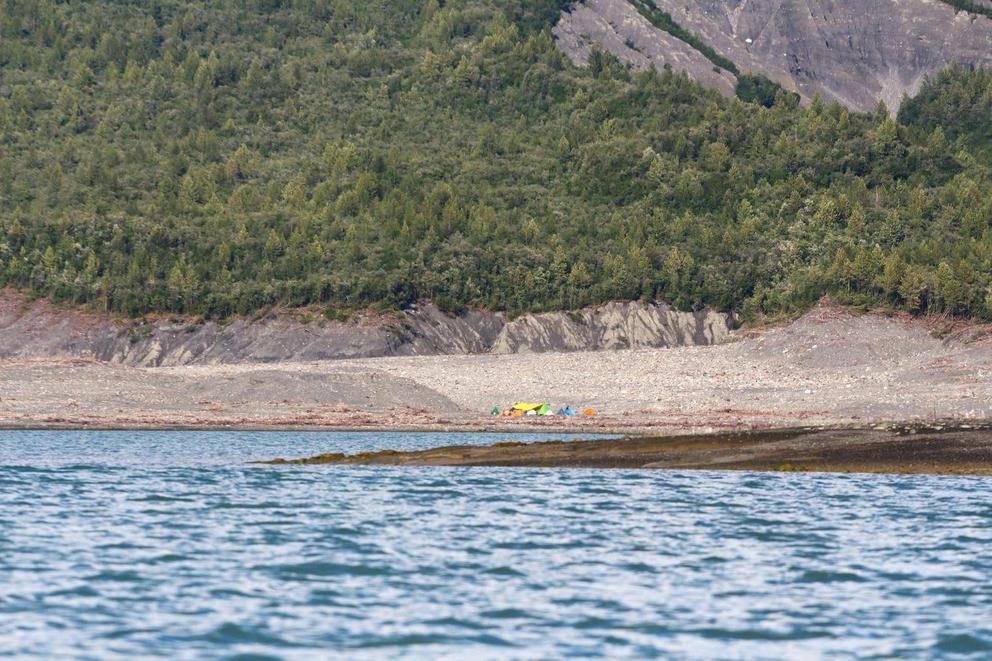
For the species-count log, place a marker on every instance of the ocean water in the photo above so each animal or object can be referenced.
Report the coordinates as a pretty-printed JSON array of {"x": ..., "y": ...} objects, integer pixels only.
[{"x": 123, "y": 544}]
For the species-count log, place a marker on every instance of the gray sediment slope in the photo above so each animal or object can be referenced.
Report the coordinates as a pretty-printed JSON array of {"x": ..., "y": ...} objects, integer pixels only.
[{"x": 37, "y": 330}]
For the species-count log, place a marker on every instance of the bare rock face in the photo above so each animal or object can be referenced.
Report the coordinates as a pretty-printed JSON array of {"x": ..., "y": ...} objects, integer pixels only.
[
  {"x": 617, "y": 27},
  {"x": 612, "y": 326},
  {"x": 856, "y": 52},
  {"x": 38, "y": 330}
]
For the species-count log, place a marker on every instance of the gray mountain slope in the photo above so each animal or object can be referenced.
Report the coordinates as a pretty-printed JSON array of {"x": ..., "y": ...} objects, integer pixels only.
[{"x": 856, "y": 52}]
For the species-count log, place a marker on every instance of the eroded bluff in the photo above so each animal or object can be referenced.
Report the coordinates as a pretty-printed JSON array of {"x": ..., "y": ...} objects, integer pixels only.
[
  {"x": 856, "y": 52},
  {"x": 37, "y": 330}
]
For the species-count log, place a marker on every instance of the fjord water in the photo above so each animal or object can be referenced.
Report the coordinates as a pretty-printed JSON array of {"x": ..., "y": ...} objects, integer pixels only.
[{"x": 166, "y": 543}]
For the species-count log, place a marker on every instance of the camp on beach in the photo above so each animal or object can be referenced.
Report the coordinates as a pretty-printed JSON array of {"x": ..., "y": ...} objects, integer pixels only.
[{"x": 538, "y": 408}]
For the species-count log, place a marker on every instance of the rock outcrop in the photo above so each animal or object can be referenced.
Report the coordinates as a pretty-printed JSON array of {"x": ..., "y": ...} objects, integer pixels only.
[
  {"x": 617, "y": 27},
  {"x": 611, "y": 326},
  {"x": 38, "y": 330},
  {"x": 856, "y": 52}
]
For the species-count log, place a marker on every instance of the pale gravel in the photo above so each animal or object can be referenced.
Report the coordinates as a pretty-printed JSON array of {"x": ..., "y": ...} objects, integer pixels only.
[{"x": 830, "y": 367}]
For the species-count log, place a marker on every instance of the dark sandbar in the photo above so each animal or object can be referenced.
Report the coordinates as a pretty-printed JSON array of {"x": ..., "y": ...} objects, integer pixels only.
[{"x": 953, "y": 449}]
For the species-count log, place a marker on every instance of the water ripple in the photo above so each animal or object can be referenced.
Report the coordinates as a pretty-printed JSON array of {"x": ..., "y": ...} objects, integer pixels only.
[{"x": 152, "y": 544}]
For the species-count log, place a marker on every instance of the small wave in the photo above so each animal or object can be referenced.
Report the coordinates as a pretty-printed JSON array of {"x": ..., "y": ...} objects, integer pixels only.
[
  {"x": 318, "y": 568},
  {"x": 165, "y": 558},
  {"x": 595, "y": 623},
  {"x": 503, "y": 571},
  {"x": 122, "y": 546},
  {"x": 761, "y": 634},
  {"x": 424, "y": 639},
  {"x": 507, "y": 614},
  {"x": 264, "y": 505},
  {"x": 232, "y": 633},
  {"x": 21, "y": 468},
  {"x": 79, "y": 591},
  {"x": 534, "y": 545},
  {"x": 453, "y": 622},
  {"x": 160, "y": 498},
  {"x": 824, "y": 576},
  {"x": 126, "y": 576},
  {"x": 404, "y": 640},
  {"x": 119, "y": 634},
  {"x": 964, "y": 643},
  {"x": 227, "y": 593}
]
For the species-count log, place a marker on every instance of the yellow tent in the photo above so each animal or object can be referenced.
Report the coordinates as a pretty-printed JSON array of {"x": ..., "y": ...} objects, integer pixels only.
[{"x": 528, "y": 408}]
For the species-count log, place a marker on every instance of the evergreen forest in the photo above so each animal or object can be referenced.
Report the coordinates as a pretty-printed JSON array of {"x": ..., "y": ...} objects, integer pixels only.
[{"x": 219, "y": 157}]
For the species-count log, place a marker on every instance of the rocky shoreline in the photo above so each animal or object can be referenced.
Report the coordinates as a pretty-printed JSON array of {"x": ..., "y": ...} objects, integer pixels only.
[
  {"x": 949, "y": 448},
  {"x": 831, "y": 368}
]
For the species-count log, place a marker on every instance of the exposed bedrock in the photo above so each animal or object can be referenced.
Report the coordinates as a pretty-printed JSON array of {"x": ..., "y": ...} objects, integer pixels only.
[
  {"x": 38, "y": 330},
  {"x": 611, "y": 326},
  {"x": 856, "y": 52}
]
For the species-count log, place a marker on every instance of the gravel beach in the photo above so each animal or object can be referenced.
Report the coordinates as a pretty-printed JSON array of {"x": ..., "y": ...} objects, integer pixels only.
[{"x": 830, "y": 367}]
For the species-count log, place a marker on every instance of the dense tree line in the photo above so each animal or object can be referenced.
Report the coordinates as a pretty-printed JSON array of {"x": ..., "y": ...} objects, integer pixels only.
[
  {"x": 958, "y": 102},
  {"x": 755, "y": 88},
  {"x": 218, "y": 157}
]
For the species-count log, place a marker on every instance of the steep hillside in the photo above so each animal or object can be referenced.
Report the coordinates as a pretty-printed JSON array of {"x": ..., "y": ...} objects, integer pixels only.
[
  {"x": 856, "y": 52},
  {"x": 220, "y": 158},
  {"x": 958, "y": 103}
]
